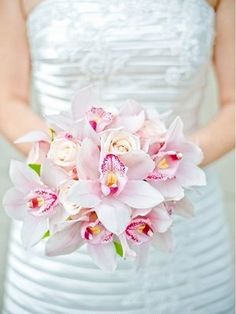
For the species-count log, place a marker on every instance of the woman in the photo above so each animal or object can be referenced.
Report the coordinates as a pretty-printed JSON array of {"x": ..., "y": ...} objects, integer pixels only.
[{"x": 158, "y": 53}]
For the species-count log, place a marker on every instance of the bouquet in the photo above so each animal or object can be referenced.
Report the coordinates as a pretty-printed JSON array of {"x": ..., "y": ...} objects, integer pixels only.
[{"x": 111, "y": 179}]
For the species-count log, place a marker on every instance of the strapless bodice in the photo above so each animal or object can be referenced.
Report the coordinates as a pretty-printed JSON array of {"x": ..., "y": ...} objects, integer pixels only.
[{"x": 156, "y": 52}]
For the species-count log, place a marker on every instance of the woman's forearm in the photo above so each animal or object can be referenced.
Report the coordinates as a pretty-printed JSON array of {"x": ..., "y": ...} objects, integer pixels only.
[
  {"x": 16, "y": 119},
  {"x": 217, "y": 137}
]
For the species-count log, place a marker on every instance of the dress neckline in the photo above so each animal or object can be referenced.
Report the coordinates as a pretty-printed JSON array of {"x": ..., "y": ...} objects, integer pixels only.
[{"x": 45, "y": 2}]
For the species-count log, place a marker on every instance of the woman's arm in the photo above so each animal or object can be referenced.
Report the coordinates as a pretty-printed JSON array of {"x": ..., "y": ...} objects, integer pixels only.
[
  {"x": 217, "y": 138},
  {"x": 16, "y": 116}
]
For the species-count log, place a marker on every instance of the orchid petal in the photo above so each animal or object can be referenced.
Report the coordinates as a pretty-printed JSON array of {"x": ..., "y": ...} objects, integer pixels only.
[
  {"x": 52, "y": 175},
  {"x": 174, "y": 135},
  {"x": 59, "y": 217},
  {"x": 34, "y": 136},
  {"x": 132, "y": 123},
  {"x": 184, "y": 208},
  {"x": 62, "y": 121},
  {"x": 163, "y": 241},
  {"x": 140, "y": 194},
  {"x": 14, "y": 204},
  {"x": 142, "y": 254},
  {"x": 140, "y": 212},
  {"x": 170, "y": 189},
  {"x": 190, "y": 175},
  {"x": 128, "y": 253},
  {"x": 192, "y": 152},
  {"x": 64, "y": 242},
  {"x": 38, "y": 152},
  {"x": 161, "y": 220},
  {"x": 84, "y": 99},
  {"x": 130, "y": 107},
  {"x": 139, "y": 164},
  {"x": 104, "y": 256},
  {"x": 83, "y": 129},
  {"x": 33, "y": 230},
  {"x": 85, "y": 193},
  {"x": 113, "y": 214},
  {"x": 24, "y": 178},
  {"x": 88, "y": 160}
]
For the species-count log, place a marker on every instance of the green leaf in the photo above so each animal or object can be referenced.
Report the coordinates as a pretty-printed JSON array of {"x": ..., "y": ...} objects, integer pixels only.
[
  {"x": 118, "y": 248},
  {"x": 35, "y": 167},
  {"x": 46, "y": 235},
  {"x": 53, "y": 133}
]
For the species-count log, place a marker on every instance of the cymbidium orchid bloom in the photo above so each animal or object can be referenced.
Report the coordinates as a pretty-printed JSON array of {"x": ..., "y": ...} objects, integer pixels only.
[
  {"x": 84, "y": 100},
  {"x": 152, "y": 228},
  {"x": 131, "y": 117},
  {"x": 176, "y": 164},
  {"x": 111, "y": 188},
  {"x": 90, "y": 231},
  {"x": 34, "y": 200},
  {"x": 98, "y": 118}
]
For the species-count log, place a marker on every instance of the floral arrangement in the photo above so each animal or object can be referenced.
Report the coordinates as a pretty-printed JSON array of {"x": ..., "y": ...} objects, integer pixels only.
[{"x": 110, "y": 179}]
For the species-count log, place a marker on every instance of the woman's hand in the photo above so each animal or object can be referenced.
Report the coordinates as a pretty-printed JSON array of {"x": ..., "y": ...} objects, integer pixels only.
[
  {"x": 218, "y": 137},
  {"x": 16, "y": 116}
]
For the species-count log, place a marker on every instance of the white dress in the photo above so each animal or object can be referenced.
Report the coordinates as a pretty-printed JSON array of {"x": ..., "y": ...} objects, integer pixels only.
[{"x": 157, "y": 52}]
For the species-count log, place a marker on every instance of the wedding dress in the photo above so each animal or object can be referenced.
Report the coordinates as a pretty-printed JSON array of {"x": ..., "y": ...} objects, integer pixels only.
[{"x": 157, "y": 52}]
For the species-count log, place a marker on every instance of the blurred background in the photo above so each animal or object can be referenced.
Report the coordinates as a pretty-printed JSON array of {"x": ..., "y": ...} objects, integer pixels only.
[{"x": 226, "y": 168}]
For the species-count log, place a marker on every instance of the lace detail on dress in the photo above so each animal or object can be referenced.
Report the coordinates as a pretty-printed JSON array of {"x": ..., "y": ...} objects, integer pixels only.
[{"x": 90, "y": 34}]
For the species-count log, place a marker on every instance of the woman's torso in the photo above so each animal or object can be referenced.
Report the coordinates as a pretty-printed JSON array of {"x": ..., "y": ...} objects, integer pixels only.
[{"x": 157, "y": 52}]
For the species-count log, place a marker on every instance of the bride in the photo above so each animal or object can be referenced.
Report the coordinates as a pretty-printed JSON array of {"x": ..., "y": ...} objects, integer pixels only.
[{"x": 157, "y": 52}]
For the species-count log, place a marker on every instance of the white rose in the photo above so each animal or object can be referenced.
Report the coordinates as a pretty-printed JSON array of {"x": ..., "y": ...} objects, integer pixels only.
[
  {"x": 63, "y": 152},
  {"x": 121, "y": 142}
]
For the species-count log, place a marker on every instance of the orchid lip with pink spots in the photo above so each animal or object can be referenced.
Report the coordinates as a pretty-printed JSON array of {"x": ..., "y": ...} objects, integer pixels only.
[{"x": 111, "y": 179}]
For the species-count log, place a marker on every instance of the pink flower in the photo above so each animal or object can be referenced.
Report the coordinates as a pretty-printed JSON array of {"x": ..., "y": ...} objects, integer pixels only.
[
  {"x": 85, "y": 98},
  {"x": 131, "y": 117},
  {"x": 152, "y": 228},
  {"x": 90, "y": 231},
  {"x": 34, "y": 200},
  {"x": 176, "y": 164},
  {"x": 98, "y": 118},
  {"x": 113, "y": 187},
  {"x": 113, "y": 175}
]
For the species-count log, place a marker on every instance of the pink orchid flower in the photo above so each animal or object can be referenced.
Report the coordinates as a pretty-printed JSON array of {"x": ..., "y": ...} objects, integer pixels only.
[
  {"x": 34, "y": 200},
  {"x": 98, "y": 118},
  {"x": 83, "y": 100},
  {"x": 152, "y": 228},
  {"x": 176, "y": 164},
  {"x": 111, "y": 187},
  {"x": 85, "y": 231},
  {"x": 131, "y": 117}
]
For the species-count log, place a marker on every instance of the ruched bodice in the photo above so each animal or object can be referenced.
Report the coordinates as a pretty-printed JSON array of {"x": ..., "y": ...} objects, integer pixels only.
[{"x": 157, "y": 52}]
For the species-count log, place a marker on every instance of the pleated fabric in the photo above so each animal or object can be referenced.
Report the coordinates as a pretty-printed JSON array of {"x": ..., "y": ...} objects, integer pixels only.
[{"x": 157, "y": 52}]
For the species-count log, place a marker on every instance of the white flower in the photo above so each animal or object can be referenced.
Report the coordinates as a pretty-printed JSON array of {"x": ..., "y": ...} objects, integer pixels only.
[
  {"x": 120, "y": 142},
  {"x": 63, "y": 152}
]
